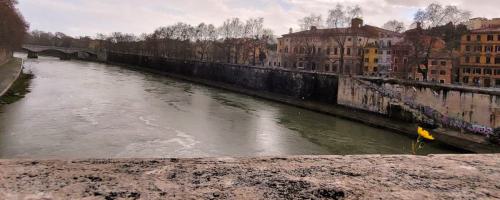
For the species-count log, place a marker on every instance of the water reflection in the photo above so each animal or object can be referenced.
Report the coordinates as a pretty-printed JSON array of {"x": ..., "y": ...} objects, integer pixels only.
[{"x": 81, "y": 110}]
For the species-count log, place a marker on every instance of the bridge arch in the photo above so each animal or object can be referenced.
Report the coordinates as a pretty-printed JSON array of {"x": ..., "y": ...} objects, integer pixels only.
[{"x": 61, "y": 52}]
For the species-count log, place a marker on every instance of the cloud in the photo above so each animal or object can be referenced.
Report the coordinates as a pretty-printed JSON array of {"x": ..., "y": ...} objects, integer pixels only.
[{"x": 88, "y": 17}]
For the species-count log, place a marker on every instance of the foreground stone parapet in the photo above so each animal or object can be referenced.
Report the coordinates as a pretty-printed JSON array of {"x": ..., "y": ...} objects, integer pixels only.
[{"x": 317, "y": 177}]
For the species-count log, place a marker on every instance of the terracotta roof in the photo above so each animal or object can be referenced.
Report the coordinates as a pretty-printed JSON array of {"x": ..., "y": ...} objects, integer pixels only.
[{"x": 365, "y": 30}]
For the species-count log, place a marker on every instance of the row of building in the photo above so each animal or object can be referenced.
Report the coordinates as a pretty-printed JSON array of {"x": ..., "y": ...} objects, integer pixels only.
[{"x": 372, "y": 51}]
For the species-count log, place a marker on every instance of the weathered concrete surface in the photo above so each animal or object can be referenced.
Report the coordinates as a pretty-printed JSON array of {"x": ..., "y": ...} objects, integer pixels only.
[
  {"x": 9, "y": 72},
  {"x": 461, "y": 107},
  {"x": 317, "y": 177}
]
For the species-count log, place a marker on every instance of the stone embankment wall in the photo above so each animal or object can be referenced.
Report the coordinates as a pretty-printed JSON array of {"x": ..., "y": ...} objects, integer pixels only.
[
  {"x": 462, "y": 108},
  {"x": 300, "y": 85},
  {"x": 5, "y": 55}
]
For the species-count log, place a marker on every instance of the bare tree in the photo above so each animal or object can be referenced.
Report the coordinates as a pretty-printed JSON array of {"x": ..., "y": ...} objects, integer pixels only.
[
  {"x": 231, "y": 32},
  {"x": 427, "y": 33},
  {"x": 340, "y": 19},
  {"x": 205, "y": 36},
  {"x": 311, "y": 20},
  {"x": 395, "y": 25},
  {"x": 13, "y": 27}
]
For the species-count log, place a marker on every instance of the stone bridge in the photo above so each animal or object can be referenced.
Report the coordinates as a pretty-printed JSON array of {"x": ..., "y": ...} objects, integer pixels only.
[{"x": 64, "y": 53}]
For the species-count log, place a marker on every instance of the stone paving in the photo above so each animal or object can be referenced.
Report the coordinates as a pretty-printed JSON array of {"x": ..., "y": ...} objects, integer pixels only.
[{"x": 300, "y": 177}]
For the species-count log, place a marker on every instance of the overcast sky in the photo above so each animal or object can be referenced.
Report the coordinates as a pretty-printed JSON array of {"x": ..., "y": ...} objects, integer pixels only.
[{"x": 88, "y": 17}]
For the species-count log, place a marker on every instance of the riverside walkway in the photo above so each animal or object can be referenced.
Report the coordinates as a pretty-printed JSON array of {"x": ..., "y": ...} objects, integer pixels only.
[
  {"x": 9, "y": 72},
  {"x": 300, "y": 177}
]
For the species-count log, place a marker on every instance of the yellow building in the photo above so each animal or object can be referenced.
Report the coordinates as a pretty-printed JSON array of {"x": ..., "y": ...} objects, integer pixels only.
[
  {"x": 480, "y": 61},
  {"x": 370, "y": 60}
]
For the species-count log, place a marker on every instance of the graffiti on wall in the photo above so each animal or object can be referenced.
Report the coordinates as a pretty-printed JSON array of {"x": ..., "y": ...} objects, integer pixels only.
[{"x": 432, "y": 116}]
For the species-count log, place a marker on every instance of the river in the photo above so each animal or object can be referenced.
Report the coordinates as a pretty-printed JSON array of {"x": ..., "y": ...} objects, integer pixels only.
[{"x": 89, "y": 110}]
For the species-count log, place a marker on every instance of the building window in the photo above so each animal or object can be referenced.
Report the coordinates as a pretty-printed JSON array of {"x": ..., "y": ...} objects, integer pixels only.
[
  {"x": 443, "y": 63},
  {"x": 328, "y": 51},
  {"x": 319, "y": 50},
  {"x": 478, "y": 48},
  {"x": 487, "y": 71},
  {"x": 442, "y": 72},
  {"x": 367, "y": 60},
  {"x": 490, "y": 38},
  {"x": 434, "y": 62},
  {"x": 405, "y": 61},
  {"x": 475, "y": 80},
  {"x": 497, "y": 71},
  {"x": 388, "y": 52},
  {"x": 497, "y": 82},
  {"x": 466, "y": 70},
  {"x": 477, "y": 70},
  {"x": 376, "y": 60},
  {"x": 467, "y": 59},
  {"x": 488, "y": 60},
  {"x": 396, "y": 61},
  {"x": 468, "y": 38},
  {"x": 433, "y": 72},
  {"x": 478, "y": 37},
  {"x": 497, "y": 60},
  {"x": 487, "y": 82},
  {"x": 441, "y": 81},
  {"x": 488, "y": 49},
  {"x": 467, "y": 48},
  {"x": 465, "y": 79},
  {"x": 335, "y": 51},
  {"x": 478, "y": 60},
  {"x": 349, "y": 39},
  {"x": 376, "y": 51},
  {"x": 498, "y": 37},
  {"x": 375, "y": 69},
  {"x": 348, "y": 51}
]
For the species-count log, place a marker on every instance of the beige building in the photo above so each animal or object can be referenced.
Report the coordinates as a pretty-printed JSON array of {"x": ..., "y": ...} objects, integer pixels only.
[
  {"x": 321, "y": 49},
  {"x": 479, "y": 23}
]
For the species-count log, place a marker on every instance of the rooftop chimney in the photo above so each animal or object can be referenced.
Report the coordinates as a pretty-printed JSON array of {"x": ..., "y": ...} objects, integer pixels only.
[
  {"x": 313, "y": 28},
  {"x": 291, "y": 30},
  {"x": 356, "y": 23}
]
